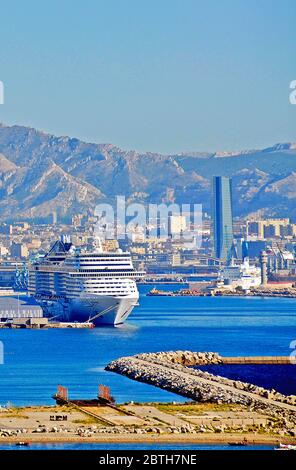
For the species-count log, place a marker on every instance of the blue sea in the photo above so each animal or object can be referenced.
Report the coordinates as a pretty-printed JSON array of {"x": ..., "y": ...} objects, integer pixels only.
[{"x": 36, "y": 361}]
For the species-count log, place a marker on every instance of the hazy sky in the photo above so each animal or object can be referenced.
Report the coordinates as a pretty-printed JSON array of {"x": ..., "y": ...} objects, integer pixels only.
[{"x": 158, "y": 75}]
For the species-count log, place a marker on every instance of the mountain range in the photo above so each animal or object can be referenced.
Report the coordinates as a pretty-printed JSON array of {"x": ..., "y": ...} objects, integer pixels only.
[{"x": 41, "y": 174}]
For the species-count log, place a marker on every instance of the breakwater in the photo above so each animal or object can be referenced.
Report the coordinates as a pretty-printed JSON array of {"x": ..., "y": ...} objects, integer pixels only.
[
  {"x": 192, "y": 358},
  {"x": 170, "y": 371},
  {"x": 186, "y": 358}
]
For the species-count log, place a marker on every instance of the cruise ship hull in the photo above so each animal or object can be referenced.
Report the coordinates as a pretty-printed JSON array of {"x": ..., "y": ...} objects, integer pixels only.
[{"x": 98, "y": 309}]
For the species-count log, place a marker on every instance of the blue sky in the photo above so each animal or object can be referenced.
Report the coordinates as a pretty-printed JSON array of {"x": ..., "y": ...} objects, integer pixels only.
[{"x": 165, "y": 75}]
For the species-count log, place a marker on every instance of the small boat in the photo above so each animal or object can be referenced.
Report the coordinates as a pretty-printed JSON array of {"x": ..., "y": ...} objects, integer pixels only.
[
  {"x": 161, "y": 293},
  {"x": 285, "y": 447},
  {"x": 22, "y": 443}
]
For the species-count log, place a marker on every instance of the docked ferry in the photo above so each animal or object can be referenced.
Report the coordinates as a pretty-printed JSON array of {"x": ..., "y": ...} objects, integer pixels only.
[
  {"x": 244, "y": 275},
  {"x": 73, "y": 285}
]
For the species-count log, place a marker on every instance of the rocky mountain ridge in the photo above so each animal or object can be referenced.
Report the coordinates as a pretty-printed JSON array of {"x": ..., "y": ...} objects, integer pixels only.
[{"x": 41, "y": 173}]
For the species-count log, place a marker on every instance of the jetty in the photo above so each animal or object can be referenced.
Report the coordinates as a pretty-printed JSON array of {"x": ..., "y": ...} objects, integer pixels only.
[
  {"x": 257, "y": 360},
  {"x": 170, "y": 371}
]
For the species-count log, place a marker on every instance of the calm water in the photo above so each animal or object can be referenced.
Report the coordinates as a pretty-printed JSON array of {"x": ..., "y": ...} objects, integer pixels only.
[
  {"x": 279, "y": 377},
  {"x": 36, "y": 361}
]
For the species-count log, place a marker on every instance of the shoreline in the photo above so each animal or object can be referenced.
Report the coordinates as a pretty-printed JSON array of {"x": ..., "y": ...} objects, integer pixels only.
[
  {"x": 187, "y": 424},
  {"x": 205, "y": 438}
]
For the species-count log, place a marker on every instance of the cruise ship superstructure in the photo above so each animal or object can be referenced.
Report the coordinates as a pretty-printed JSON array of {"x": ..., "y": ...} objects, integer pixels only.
[{"x": 72, "y": 285}]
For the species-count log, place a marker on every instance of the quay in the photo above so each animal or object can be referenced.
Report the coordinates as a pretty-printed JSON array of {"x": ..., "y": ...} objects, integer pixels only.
[
  {"x": 257, "y": 360},
  {"x": 207, "y": 290},
  {"x": 41, "y": 323}
]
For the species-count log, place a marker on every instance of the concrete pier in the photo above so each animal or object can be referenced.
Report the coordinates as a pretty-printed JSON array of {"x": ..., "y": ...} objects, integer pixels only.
[{"x": 257, "y": 360}]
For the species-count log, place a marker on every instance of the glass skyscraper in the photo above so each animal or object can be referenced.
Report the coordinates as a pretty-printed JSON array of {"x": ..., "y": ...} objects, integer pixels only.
[{"x": 222, "y": 217}]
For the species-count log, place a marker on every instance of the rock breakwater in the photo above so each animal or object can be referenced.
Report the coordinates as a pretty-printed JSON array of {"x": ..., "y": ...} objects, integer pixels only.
[
  {"x": 186, "y": 358},
  {"x": 170, "y": 371}
]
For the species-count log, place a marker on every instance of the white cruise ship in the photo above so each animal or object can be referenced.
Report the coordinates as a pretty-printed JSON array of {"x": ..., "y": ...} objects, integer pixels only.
[{"x": 72, "y": 285}]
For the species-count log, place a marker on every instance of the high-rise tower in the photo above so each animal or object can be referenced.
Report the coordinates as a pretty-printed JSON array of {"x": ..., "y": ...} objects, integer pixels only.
[{"x": 222, "y": 217}]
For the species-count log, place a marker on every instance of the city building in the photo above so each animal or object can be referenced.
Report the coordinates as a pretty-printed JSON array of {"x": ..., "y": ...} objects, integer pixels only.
[
  {"x": 19, "y": 250},
  {"x": 13, "y": 307},
  {"x": 222, "y": 217},
  {"x": 5, "y": 229},
  {"x": 250, "y": 248},
  {"x": 3, "y": 250},
  {"x": 7, "y": 275},
  {"x": 110, "y": 245},
  {"x": 270, "y": 228},
  {"x": 176, "y": 225}
]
